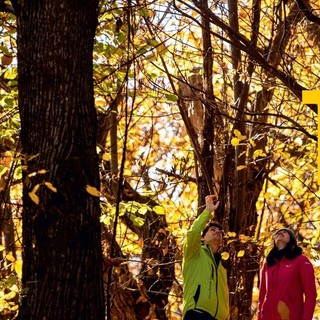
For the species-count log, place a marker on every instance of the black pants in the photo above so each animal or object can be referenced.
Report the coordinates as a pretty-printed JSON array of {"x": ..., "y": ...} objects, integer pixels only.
[{"x": 197, "y": 314}]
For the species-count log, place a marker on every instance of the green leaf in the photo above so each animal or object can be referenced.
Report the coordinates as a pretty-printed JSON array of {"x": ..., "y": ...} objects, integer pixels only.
[
  {"x": 143, "y": 209},
  {"x": 137, "y": 221},
  {"x": 11, "y": 280},
  {"x": 106, "y": 219},
  {"x": 4, "y": 49},
  {"x": 122, "y": 37},
  {"x": 172, "y": 97},
  {"x": 143, "y": 12},
  {"x": 159, "y": 210},
  {"x": 11, "y": 74}
]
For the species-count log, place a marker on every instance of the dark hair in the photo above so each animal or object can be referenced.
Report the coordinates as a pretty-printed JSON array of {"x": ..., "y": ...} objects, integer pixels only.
[
  {"x": 290, "y": 251},
  {"x": 211, "y": 224}
]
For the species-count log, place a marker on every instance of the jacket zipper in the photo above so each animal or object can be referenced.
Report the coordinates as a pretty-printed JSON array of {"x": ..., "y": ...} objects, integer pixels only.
[
  {"x": 212, "y": 275},
  {"x": 216, "y": 290}
]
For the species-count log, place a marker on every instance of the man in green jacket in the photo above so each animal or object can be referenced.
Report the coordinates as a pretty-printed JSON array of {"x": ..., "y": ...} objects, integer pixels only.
[{"x": 205, "y": 293}]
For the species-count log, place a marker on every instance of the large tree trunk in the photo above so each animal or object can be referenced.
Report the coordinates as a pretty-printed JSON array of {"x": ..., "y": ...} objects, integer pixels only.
[{"x": 62, "y": 269}]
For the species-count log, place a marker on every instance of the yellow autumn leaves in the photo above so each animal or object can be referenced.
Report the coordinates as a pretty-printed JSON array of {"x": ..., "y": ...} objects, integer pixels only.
[
  {"x": 33, "y": 193},
  {"x": 34, "y": 197},
  {"x": 240, "y": 139},
  {"x": 93, "y": 191},
  {"x": 235, "y": 141},
  {"x": 232, "y": 237},
  {"x": 225, "y": 255},
  {"x": 16, "y": 265}
]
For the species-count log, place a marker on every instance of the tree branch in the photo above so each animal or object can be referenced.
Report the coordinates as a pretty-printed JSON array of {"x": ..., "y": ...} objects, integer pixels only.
[
  {"x": 307, "y": 12},
  {"x": 238, "y": 40}
]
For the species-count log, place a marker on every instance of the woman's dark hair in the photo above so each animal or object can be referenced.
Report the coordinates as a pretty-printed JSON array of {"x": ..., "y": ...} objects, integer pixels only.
[{"x": 290, "y": 251}]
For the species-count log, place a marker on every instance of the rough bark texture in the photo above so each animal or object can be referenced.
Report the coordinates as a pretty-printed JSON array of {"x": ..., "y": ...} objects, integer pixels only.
[{"x": 62, "y": 269}]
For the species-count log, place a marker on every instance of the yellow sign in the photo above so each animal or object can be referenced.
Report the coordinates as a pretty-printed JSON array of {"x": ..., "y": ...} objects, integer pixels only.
[{"x": 313, "y": 97}]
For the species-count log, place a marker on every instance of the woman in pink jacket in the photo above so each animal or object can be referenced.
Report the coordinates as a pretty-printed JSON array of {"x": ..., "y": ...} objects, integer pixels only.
[{"x": 287, "y": 282}]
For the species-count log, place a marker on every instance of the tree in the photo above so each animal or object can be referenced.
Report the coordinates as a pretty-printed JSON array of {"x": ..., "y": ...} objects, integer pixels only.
[
  {"x": 194, "y": 97},
  {"x": 62, "y": 258}
]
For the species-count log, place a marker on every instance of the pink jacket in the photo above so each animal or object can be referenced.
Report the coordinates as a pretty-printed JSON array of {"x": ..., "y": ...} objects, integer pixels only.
[{"x": 287, "y": 290}]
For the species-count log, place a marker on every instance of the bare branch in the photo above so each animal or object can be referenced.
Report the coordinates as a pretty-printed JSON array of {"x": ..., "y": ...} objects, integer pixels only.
[
  {"x": 308, "y": 12},
  {"x": 238, "y": 40}
]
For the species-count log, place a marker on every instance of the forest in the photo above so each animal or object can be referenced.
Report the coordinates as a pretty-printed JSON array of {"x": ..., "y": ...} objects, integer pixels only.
[{"x": 118, "y": 118}]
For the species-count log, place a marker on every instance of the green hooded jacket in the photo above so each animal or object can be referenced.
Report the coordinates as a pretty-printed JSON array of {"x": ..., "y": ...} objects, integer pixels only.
[{"x": 205, "y": 284}]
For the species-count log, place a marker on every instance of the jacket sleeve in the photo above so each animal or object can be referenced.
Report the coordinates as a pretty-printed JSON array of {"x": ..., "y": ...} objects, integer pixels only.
[
  {"x": 306, "y": 273},
  {"x": 262, "y": 290},
  {"x": 193, "y": 242}
]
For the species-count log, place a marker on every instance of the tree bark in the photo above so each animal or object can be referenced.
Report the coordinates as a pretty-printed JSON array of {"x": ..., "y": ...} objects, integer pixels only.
[
  {"x": 207, "y": 149},
  {"x": 62, "y": 269}
]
